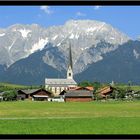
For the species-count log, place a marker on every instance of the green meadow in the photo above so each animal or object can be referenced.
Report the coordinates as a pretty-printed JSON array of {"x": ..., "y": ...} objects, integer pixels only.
[
  {"x": 110, "y": 117},
  {"x": 10, "y": 86},
  {"x": 134, "y": 87}
]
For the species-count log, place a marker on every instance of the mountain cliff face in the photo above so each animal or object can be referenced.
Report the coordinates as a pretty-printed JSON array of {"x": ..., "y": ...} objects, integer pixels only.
[
  {"x": 32, "y": 70},
  {"x": 20, "y": 41},
  {"x": 31, "y": 52},
  {"x": 121, "y": 65}
]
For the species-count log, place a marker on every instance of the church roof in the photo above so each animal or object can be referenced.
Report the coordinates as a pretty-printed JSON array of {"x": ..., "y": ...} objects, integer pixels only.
[{"x": 50, "y": 81}]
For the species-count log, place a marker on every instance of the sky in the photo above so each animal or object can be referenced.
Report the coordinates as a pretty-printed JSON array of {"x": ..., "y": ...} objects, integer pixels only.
[{"x": 124, "y": 18}]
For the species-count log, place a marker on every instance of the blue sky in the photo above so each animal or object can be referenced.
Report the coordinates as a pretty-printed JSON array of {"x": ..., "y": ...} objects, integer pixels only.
[{"x": 124, "y": 18}]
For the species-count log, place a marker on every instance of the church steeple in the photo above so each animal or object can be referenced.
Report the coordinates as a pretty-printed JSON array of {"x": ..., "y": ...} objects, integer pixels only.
[{"x": 70, "y": 65}]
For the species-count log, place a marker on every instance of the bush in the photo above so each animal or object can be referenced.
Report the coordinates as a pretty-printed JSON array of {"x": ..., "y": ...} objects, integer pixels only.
[
  {"x": 97, "y": 96},
  {"x": 9, "y": 96}
]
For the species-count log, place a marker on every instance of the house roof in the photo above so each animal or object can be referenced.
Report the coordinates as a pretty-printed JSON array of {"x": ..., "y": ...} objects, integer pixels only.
[
  {"x": 51, "y": 81},
  {"x": 78, "y": 93},
  {"x": 88, "y": 88},
  {"x": 31, "y": 91},
  {"x": 58, "y": 85},
  {"x": 105, "y": 90},
  {"x": 62, "y": 92}
]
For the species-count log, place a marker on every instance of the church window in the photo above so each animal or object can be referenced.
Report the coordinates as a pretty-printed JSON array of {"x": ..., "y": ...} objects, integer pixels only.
[{"x": 69, "y": 74}]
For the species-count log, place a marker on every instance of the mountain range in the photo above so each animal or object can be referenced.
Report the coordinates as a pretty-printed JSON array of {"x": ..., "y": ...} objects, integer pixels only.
[{"x": 100, "y": 52}]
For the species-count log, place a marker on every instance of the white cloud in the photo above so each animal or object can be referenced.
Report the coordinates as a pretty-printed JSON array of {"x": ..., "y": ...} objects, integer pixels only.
[
  {"x": 80, "y": 14},
  {"x": 97, "y": 7},
  {"x": 46, "y": 9}
]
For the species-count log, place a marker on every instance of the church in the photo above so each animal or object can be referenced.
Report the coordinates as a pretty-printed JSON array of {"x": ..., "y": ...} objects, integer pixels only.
[{"x": 58, "y": 85}]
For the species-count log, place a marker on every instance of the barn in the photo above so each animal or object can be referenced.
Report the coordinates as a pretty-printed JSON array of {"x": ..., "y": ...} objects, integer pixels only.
[
  {"x": 78, "y": 96},
  {"x": 105, "y": 91},
  {"x": 34, "y": 94}
]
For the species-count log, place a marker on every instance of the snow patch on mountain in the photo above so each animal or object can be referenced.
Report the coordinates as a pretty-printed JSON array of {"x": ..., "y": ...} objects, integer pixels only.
[
  {"x": 39, "y": 45},
  {"x": 84, "y": 48},
  {"x": 2, "y": 34},
  {"x": 20, "y": 41},
  {"x": 91, "y": 29},
  {"x": 9, "y": 48},
  {"x": 136, "y": 54},
  {"x": 101, "y": 27},
  {"x": 24, "y": 32},
  {"x": 71, "y": 36},
  {"x": 54, "y": 37},
  {"x": 112, "y": 38}
]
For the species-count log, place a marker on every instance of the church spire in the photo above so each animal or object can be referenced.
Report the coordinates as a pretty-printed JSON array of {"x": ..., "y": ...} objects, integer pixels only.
[
  {"x": 70, "y": 57},
  {"x": 70, "y": 65}
]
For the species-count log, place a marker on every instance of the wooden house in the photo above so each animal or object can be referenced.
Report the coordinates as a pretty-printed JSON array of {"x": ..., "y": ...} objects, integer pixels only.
[
  {"x": 105, "y": 91},
  {"x": 34, "y": 94},
  {"x": 78, "y": 96}
]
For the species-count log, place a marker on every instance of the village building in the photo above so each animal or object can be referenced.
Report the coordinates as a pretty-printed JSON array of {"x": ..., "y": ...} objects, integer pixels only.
[
  {"x": 58, "y": 85},
  {"x": 78, "y": 96},
  {"x": 105, "y": 91},
  {"x": 34, "y": 94}
]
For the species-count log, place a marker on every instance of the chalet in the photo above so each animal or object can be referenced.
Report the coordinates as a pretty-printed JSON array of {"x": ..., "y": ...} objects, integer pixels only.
[
  {"x": 105, "y": 91},
  {"x": 78, "y": 96},
  {"x": 34, "y": 94}
]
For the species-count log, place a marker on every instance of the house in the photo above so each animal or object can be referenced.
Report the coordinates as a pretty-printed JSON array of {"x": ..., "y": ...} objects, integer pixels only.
[
  {"x": 57, "y": 85},
  {"x": 79, "y": 92},
  {"x": 34, "y": 94},
  {"x": 78, "y": 96},
  {"x": 105, "y": 91}
]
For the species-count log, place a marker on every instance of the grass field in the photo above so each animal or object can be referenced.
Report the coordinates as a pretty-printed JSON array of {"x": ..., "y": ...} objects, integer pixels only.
[
  {"x": 27, "y": 117},
  {"x": 134, "y": 87},
  {"x": 9, "y": 86}
]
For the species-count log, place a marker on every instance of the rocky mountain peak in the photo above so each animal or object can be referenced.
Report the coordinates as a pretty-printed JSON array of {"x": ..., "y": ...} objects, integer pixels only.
[{"x": 19, "y": 41}]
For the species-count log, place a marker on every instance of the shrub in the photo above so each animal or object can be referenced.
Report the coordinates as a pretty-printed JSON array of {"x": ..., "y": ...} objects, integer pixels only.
[{"x": 9, "y": 96}]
